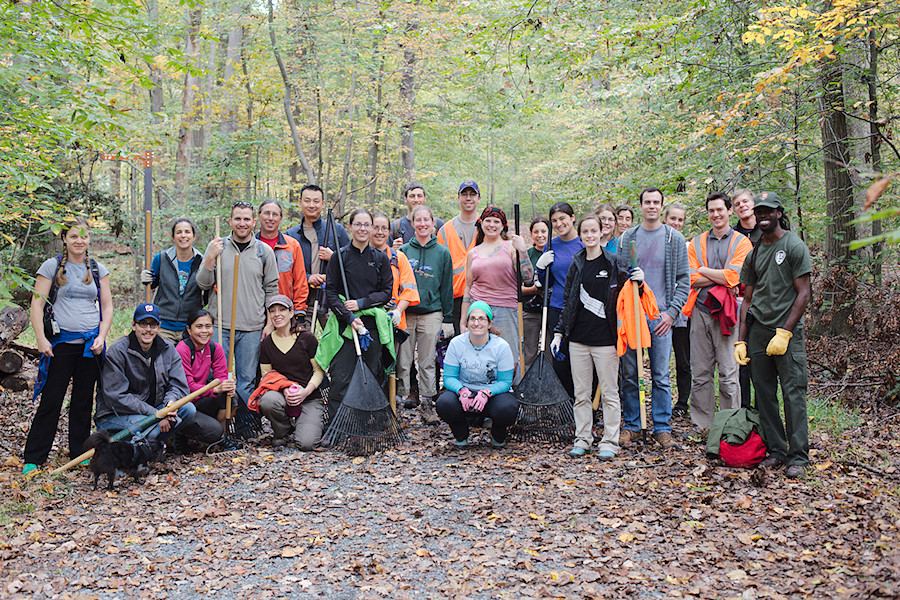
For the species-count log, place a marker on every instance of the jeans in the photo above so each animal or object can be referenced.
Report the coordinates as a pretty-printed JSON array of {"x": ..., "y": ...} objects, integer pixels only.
[
  {"x": 115, "y": 422},
  {"x": 246, "y": 357},
  {"x": 661, "y": 396}
]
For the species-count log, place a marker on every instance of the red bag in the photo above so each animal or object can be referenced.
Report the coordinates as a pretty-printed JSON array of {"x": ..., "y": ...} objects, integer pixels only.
[{"x": 749, "y": 454}]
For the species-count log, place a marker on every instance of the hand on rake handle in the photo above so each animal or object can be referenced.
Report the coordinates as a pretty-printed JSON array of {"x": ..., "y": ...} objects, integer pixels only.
[
  {"x": 555, "y": 345},
  {"x": 365, "y": 339},
  {"x": 466, "y": 398},
  {"x": 447, "y": 331},
  {"x": 636, "y": 274},
  {"x": 395, "y": 316},
  {"x": 480, "y": 400}
]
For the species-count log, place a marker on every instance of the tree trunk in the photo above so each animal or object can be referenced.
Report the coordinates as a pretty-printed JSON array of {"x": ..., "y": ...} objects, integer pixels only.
[
  {"x": 13, "y": 321},
  {"x": 288, "y": 101},
  {"x": 407, "y": 99},
  {"x": 10, "y": 361},
  {"x": 155, "y": 90},
  {"x": 232, "y": 56},
  {"x": 22, "y": 381},
  {"x": 875, "y": 143},
  {"x": 372, "y": 173},
  {"x": 839, "y": 284},
  {"x": 189, "y": 107}
]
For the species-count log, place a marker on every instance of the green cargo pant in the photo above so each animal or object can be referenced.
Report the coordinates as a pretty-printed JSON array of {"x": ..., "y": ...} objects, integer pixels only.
[{"x": 765, "y": 371}]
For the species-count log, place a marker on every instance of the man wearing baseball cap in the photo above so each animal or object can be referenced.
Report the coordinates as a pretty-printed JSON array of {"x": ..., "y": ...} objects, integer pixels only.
[
  {"x": 141, "y": 374},
  {"x": 776, "y": 275},
  {"x": 458, "y": 236}
]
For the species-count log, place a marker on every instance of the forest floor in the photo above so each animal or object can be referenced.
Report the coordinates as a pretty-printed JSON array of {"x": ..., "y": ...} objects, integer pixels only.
[{"x": 428, "y": 520}]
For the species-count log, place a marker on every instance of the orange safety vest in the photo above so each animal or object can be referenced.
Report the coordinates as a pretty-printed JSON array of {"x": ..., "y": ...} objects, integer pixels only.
[
  {"x": 458, "y": 253},
  {"x": 738, "y": 249},
  {"x": 404, "y": 286}
]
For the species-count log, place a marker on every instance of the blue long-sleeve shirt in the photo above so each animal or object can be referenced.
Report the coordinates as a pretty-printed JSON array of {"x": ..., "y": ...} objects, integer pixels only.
[{"x": 559, "y": 268}]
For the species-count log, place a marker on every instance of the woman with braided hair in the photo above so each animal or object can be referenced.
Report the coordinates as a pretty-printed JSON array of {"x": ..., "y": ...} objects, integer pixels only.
[
  {"x": 491, "y": 275},
  {"x": 71, "y": 313}
]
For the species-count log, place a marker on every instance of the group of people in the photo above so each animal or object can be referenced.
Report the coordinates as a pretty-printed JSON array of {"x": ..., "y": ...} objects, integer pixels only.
[{"x": 402, "y": 288}]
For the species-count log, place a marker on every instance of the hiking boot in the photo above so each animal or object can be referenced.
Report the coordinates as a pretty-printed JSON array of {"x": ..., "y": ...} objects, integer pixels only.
[
  {"x": 627, "y": 436},
  {"x": 795, "y": 472},
  {"x": 772, "y": 462},
  {"x": 664, "y": 439},
  {"x": 411, "y": 401},
  {"x": 605, "y": 455},
  {"x": 429, "y": 416}
]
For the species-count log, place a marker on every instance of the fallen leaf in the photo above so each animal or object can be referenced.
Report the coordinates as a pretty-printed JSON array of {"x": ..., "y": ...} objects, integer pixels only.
[{"x": 625, "y": 537}]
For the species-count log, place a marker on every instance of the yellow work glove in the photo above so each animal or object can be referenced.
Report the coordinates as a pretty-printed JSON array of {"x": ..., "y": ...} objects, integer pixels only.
[
  {"x": 740, "y": 353},
  {"x": 779, "y": 343}
]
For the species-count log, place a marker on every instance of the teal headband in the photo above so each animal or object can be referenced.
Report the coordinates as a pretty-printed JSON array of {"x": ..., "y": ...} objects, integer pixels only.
[{"x": 481, "y": 305}]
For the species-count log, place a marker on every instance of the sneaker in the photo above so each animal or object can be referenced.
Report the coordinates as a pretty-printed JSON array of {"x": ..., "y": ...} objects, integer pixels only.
[
  {"x": 461, "y": 443},
  {"x": 410, "y": 401},
  {"x": 29, "y": 468},
  {"x": 664, "y": 439},
  {"x": 627, "y": 436},
  {"x": 578, "y": 452},
  {"x": 280, "y": 442},
  {"x": 772, "y": 462},
  {"x": 429, "y": 416},
  {"x": 795, "y": 472},
  {"x": 606, "y": 455},
  {"x": 496, "y": 444}
]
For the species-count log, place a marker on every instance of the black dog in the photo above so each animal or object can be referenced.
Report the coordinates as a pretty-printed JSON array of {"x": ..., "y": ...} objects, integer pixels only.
[{"x": 110, "y": 457}]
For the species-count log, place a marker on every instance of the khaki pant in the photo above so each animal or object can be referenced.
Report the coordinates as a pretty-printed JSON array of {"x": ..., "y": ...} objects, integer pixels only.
[
  {"x": 708, "y": 349},
  {"x": 603, "y": 359},
  {"x": 307, "y": 428},
  {"x": 532, "y": 335},
  {"x": 424, "y": 331},
  {"x": 172, "y": 336}
]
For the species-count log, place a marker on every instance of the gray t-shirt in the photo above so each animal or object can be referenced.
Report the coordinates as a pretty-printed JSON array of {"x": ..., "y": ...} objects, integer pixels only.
[
  {"x": 650, "y": 247},
  {"x": 466, "y": 231},
  {"x": 77, "y": 308}
]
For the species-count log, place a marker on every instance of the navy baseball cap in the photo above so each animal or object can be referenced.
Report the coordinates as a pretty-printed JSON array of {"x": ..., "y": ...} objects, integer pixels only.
[
  {"x": 146, "y": 310},
  {"x": 468, "y": 184}
]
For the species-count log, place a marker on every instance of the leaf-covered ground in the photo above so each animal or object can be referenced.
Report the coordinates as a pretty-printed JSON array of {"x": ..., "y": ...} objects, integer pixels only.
[{"x": 431, "y": 521}]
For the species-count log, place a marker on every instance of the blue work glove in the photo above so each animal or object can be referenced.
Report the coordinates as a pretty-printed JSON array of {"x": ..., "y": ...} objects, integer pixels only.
[{"x": 365, "y": 340}]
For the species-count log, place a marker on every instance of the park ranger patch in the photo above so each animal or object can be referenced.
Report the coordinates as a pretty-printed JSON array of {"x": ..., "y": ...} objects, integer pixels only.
[{"x": 780, "y": 256}]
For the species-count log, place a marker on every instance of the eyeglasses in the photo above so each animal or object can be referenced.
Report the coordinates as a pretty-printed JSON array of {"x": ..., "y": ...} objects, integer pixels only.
[
  {"x": 381, "y": 228},
  {"x": 147, "y": 325},
  {"x": 361, "y": 225},
  {"x": 479, "y": 319}
]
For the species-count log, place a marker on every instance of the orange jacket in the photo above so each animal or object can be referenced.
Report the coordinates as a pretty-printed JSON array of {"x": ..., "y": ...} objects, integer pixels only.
[
  {"x": 448, "y": 238},
  {"x": 404, "y": 287},
  {"x": 291, "y": 271},
  {"x": 626, "y": 317},
  {"x": 738, "y": 249},
  {"x": 271, "y": 381}
]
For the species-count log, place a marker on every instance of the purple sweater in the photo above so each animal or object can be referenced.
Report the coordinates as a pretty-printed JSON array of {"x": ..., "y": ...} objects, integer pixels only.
[{"x": 197, "y": 373}]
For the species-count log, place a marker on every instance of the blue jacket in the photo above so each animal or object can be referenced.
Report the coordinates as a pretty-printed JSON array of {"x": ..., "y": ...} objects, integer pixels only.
[{"x": 296, "y": 232}]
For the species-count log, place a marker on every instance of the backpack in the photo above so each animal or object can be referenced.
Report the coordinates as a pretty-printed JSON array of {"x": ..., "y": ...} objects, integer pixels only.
[
  {"x": 51, "y": 327},
  {"x": 212, "y": 354}
]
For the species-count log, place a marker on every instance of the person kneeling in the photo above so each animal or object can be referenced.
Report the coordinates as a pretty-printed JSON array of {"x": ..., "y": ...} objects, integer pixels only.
[
  {"x": 142, "y": 374},
  {"x": 478, "y": 373},
  {"x": 288, "y": 394}
]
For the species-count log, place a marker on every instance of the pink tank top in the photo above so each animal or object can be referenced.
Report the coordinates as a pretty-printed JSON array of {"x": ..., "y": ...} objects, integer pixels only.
[{"x": 494, "y": 277}]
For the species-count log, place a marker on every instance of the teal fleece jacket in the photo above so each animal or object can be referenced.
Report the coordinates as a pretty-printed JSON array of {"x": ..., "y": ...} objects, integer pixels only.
[{"x": 433, "y": 267}]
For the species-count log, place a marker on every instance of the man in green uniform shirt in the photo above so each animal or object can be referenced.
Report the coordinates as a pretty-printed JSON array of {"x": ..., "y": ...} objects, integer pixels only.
[{"x": 776, "y": 275}]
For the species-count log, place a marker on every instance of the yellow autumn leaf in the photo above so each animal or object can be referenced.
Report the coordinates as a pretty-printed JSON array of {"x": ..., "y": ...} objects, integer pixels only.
[
  {"x": 824, "y": 465},
  {"x": 625, "y": 537},
  {"x": 536, "y": 517}
]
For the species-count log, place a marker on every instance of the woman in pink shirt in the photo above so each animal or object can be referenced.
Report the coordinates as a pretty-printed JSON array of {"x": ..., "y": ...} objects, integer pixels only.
[
  {"x": 204, "y": 360},
  {"x": 491, "y": 275}
]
